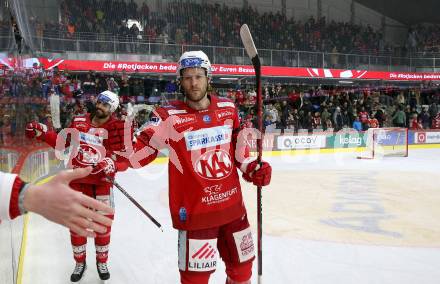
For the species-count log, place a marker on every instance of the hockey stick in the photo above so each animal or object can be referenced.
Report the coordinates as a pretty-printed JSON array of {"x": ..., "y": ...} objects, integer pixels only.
[
  {"x": 135, "y": 203},
  {"x": 252, "y": 52}
]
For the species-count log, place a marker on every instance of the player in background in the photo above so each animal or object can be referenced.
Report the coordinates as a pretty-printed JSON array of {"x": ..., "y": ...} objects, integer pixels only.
[
  {"x": 91, "y": 140},
  {"x": 206, "y": 149}
]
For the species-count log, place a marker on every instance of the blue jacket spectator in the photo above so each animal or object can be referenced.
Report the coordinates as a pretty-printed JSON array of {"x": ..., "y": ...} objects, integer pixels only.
[{"x": 357, "y": 124}]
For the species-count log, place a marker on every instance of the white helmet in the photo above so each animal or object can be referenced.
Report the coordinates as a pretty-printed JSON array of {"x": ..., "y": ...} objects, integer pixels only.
[
  {"x": 110, "y": 98},
  {"x": 194, "y": 59}
]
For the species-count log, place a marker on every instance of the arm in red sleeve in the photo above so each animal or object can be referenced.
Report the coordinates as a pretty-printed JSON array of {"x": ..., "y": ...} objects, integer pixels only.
[
  {"x": 17, "y": 186},
  {"x": 50, "y": 137},
  {"x": 143, "y": 153}
]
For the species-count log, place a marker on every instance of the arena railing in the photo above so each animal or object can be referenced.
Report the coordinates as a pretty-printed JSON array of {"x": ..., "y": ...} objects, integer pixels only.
[
  {"x": 7, "y": 41},
  {"x": 167, "y": 52}
]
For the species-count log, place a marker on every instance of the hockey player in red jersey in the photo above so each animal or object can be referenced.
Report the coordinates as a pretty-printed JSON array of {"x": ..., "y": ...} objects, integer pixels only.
[
  {"x": 203, "y": 135},
  {"x": 91, "y": 140}
]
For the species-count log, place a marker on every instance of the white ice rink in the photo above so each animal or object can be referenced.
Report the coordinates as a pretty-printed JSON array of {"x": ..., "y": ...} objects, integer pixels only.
[{"x": 328, "y": 218}]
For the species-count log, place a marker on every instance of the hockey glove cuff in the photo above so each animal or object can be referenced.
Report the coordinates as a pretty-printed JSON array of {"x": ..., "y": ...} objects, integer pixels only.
[{"x": 35, "y": 130}]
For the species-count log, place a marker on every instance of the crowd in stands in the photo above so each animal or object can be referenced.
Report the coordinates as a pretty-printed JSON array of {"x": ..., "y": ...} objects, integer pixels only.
[
  {"x": 294, "y": 107},
  {"x": 208, "y": 24},
  {"x": 24, "y": 97},
  {"x": 270, "y": 30},
  {"x": 424, "y": 39},
  {"x": 191, "y": 23},
  {"x": 104, "y": 17}
]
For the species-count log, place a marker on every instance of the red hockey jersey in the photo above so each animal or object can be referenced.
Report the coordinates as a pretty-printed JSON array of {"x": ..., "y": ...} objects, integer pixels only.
[
  {"x": 84, "y": 144},
  {"x": 204, "y": 187}
]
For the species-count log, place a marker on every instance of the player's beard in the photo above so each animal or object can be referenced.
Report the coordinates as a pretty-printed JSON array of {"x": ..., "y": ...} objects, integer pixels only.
[
  {"x": 196, "y": 95},
  {"x": 101, "y": 114}
]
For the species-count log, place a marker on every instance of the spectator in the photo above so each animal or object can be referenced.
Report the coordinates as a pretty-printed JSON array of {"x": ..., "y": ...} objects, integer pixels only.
[
  {"x": 294, "y": 121},
  {"x": 373, "y": 122},
  {"x": 328, "y": 125},
  {"x": 400, "y": 99},
  {"x": 424, "y": 118},
  {"x": 325, "y": 115},
  {"x": 316, "y": 123},
  {"x": 380, "y": 116},
  {"x": 337, "y": 119},
  {"x": 399, "y": 118},
  {"x": 364, "y": 117},
  {"x": 414, "y": 123},
  {"x": 113, "y": 86},
  {"x": 307, "y": 122},
  {"x": 285, "y": 111},
  {"x": 433, "y": 110},
  {"x": 346, "y": 119},
  {"x": 357, "y": 125}
]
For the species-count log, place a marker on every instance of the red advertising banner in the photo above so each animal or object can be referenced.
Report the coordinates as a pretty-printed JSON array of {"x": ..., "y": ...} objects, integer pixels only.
[
  {"x": 223, "y": 69},
  {"x": 141, "y": 67}
]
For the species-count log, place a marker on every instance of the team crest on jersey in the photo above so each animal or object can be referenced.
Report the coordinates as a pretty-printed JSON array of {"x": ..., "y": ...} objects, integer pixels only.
[
  {"x": 214, "y": 165},
  {"x": 207, "y": 118},
  {"x": 88, "y": 155},
  {"x": 91, "y": 150}
]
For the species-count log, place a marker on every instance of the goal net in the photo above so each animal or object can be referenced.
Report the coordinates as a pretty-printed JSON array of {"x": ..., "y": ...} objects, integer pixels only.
[{"x": 385, "y": 142}]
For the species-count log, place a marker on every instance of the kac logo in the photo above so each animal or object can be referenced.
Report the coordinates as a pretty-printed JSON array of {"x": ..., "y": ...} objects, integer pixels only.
[
  {"x": 214, "y": 165},
  {"x": 88, "y": 155}
]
